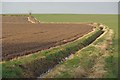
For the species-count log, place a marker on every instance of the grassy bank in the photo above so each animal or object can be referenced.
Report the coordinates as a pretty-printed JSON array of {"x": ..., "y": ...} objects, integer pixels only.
[
  {"x": 35, "y": 64},
  {"x": 107, "y": 19},
  {"x": 90, "y": 62}
]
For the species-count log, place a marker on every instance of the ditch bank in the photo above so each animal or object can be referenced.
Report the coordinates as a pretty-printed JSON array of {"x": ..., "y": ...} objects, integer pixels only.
[{"x": 37, "y": 66}]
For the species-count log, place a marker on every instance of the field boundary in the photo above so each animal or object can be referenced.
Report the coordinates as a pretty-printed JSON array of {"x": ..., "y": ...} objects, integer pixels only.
[
  {"x": 58, "y": 46},
  {"x": 47, "y": 59},
  {"x": 97, "y": 68}
]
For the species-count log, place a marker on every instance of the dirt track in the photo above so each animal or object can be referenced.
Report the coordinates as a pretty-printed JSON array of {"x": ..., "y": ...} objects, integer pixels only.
[{"x": 21, "y": 37}]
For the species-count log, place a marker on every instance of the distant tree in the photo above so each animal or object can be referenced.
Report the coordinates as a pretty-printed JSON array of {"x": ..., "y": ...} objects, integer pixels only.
[{"x": 30, "y": 13}]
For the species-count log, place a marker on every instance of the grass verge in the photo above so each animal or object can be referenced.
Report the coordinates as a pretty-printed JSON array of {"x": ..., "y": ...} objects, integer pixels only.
[{"x": 93, "y": 61}]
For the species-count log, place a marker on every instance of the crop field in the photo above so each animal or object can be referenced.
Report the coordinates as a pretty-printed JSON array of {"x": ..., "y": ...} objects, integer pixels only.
[
  {"x": 21, "y": 37},
  {"x": 60, "y": 46}
]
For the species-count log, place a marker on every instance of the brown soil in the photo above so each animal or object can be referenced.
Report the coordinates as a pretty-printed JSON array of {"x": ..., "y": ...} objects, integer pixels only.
[
  {"x": 15, "y": 19},
  {"x": 20, "y": 37}
]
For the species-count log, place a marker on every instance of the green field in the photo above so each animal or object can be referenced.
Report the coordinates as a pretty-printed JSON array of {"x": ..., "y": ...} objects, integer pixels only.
[{"x": 109, "y": 20}]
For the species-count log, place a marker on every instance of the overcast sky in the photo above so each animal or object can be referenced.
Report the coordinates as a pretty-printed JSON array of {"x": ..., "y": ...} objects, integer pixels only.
[
  {"x": 61, "y": 7},
  {"x": 60, "y": 0}
]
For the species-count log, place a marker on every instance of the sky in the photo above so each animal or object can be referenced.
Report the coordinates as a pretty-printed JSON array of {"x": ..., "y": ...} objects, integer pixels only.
[
  {"x": 110, "y": 7},
  {"x": 60, "y": 0}
]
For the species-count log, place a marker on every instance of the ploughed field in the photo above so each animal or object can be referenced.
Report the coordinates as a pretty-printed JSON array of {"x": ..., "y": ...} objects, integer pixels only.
[
  {"x": 15, "y": 19},
  {"x": 20, "y": 37}
]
